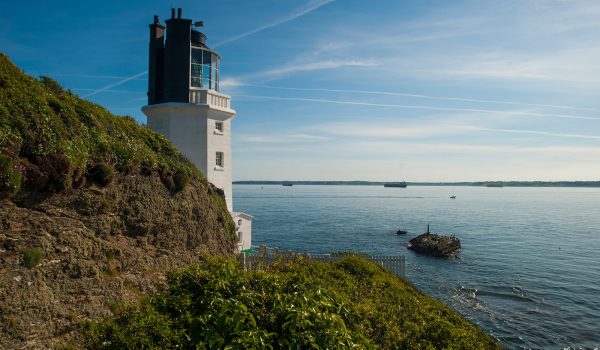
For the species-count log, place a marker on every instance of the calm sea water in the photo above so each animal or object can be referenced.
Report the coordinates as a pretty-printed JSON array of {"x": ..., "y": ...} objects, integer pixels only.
[{"x": 529, "y": 270}]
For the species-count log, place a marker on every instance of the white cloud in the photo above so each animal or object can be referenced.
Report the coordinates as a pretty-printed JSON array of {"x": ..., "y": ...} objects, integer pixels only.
[
  {"x": 421, "y": 96},
  {"x": 230, "y": 82},
  {"x": 386, "y": 130},
  {"x": 506, "y": 113},
  {"x": 438, "y": 149},
  {"x": 279, "y": 138},
  {"x": 312, "y": 66},
  {"x": 540, "y": 133}
]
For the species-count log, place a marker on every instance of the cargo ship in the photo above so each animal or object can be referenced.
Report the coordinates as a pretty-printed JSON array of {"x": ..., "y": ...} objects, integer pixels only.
[{"x": 395, "y": 184}]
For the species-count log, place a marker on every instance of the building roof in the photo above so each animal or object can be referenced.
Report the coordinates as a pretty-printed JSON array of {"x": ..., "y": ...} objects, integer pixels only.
[{"x": 242, "y": 215}]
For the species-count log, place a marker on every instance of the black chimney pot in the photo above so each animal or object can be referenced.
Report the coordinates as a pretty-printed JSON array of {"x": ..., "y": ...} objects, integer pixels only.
[
  {"x": 179, "y": 12},
  {"x": 172, "y": 13},
  {"x": 156, "y": 21}
]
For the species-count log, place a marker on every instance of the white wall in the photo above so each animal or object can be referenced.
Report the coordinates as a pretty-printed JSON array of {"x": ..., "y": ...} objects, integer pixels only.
[
  {"x": 220, "y": 143},
  {"x": 191, "y": 129},
  {"x": 244, "y": 230}
]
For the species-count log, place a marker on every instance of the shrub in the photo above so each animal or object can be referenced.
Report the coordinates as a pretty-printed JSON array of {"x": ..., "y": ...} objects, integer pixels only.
[
  {"x": 78, "y": 178},
  {"x": 128, "y": 211},
  {"x": 110, "y": 255},
  {"x": 52, "y": 85},
  {"x": 180, "y": 180},
  {"x": 168, "y": 181},
  {"x": 10, "y": 177},
  {"x": 56, "y": 135},
  {"x": 297, "y": 305},
  {"x": 57, "y": 171},
  {"x": 32, "y": 257},
  {"x": 102, "y": 173},
  {"x": 112, "y": 265}
]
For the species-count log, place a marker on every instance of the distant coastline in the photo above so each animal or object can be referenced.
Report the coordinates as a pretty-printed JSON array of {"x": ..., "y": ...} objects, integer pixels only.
[{"x": 477, "y": 183}]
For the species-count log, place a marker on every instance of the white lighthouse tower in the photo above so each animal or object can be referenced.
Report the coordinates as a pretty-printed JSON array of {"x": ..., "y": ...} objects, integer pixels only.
[{"x": 185, "y": 105}]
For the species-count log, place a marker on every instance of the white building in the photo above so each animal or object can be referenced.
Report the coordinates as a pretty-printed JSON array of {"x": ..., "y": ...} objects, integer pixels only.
[{"x": 185, "y": 105}]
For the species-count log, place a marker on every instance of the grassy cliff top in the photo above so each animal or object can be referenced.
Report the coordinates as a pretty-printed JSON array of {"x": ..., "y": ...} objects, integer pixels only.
[{"x": 52, "y": 140}]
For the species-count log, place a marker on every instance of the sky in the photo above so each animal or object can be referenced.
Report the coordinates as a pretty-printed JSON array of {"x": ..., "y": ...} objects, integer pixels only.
[{"x": 381, "y": 90}]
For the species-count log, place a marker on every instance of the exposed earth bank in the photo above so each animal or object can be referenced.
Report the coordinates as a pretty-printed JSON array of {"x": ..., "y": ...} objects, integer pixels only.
[{"x": 99, "y": 245}]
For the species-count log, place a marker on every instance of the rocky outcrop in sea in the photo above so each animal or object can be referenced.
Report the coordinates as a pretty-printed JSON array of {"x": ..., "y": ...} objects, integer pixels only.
[{"x": 435, "y": 245}]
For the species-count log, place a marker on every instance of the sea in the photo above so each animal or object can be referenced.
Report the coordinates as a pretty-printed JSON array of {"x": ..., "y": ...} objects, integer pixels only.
[{"x": 528, "y": 271}]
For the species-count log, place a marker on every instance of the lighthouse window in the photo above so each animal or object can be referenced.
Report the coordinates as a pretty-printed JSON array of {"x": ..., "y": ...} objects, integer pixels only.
[
  {"x": 219, "y": 159},
  {"x": 204, "y": 69},
  {"x": 219, "y": 126}
]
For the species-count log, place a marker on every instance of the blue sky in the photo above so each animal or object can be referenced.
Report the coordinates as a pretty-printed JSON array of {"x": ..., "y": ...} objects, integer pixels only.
[{"x": 356, "y": 90}]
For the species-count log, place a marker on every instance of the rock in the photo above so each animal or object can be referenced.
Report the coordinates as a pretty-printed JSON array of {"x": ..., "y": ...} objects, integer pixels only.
[
  {"x": 401, "y": 232},
  {"x": 84, "y": 267},
  {"x": 435, "y": 245}
]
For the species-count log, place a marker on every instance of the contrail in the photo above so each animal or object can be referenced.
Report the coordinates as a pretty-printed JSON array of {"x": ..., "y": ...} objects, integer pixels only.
[
  {"x": 295, "y": 15},
  {"x": 120, "y": 82},
  {"x": 86, "y": 76},
  {"x": 444, "y": 98},
  {"x": 310, "y": 7},
  {"x": 433, "y": 108},
  {"x": 113, "y": 91}
]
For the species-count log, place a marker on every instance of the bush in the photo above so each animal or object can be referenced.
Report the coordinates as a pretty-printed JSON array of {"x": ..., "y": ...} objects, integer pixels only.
[
  {"x": 56, "y": 170},
  {"x": 56, "y": 135},
  {"x": 128, "y": 211},
  {"x": 52, "y": 85},
  {"x": 10, "y": 177},
  {"x": 298, "y": 305},
  {"x": 102, "y": 173},
  {"x": 180, "y": 180},
  {"x": 169, "y": 183},
  {"x": 32, "y": 257}
]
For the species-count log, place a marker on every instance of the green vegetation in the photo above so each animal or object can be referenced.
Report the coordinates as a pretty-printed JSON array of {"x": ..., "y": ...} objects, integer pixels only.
[
  {"x": 10, "y": 177},
  {"x": 102, "y": 173},
  {"x": 305, "y": 304},
  {"x": 51, "y": 140},
  {"x": 180, "y": 180},
  {"x": 32, "y": 257}
]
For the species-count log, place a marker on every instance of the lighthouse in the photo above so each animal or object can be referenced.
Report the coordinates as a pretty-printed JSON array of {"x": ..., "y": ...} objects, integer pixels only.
[{"x": 186, "y": 106}]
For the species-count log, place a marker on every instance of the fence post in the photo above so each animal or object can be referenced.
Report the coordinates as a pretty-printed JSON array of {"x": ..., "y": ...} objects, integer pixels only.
[{"x": 262, "y": 250}]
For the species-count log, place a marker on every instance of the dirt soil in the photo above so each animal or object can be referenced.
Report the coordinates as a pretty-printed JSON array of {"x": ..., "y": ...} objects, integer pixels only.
[{"x": 100, "y": 246}]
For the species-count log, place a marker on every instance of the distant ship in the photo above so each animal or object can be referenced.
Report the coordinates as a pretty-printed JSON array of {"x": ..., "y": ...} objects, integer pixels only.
[
  {"x": 287, "y": 184},
  {"x": 395, "y": 184}
]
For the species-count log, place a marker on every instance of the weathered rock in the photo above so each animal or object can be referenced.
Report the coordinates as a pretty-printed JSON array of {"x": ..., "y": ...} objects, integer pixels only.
[
  {"x": 435, "y": 245},
  {"x": 100, "y": 246}
]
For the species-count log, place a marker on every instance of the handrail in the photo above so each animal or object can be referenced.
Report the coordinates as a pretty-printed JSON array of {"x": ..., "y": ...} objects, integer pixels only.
[{"x": 211, "y": 98}]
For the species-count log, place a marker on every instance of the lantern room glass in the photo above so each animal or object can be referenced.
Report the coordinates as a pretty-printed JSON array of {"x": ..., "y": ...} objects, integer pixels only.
[{"x": 204, "y": 69}]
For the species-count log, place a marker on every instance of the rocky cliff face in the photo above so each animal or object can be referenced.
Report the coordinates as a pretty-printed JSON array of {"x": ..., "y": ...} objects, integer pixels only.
[
  {"x": 99, "y": 245},
  {"x": 94, "y": 209}
]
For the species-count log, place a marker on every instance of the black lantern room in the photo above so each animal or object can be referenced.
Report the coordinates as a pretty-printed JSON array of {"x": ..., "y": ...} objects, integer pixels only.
[{"x": 181, "y": 63}]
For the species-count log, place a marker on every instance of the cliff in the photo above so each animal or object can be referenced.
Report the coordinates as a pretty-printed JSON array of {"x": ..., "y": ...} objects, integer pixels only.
[{"x": 94, "y": 209}]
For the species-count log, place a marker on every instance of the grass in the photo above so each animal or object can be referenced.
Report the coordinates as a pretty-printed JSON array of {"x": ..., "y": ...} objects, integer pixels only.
[
  {"x": 32, "y": 257},
  {"x": 352, "y": 303}
]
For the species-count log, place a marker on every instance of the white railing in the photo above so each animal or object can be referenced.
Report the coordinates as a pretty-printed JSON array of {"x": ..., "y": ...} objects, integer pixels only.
[{"x": 211, "y": 98}]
